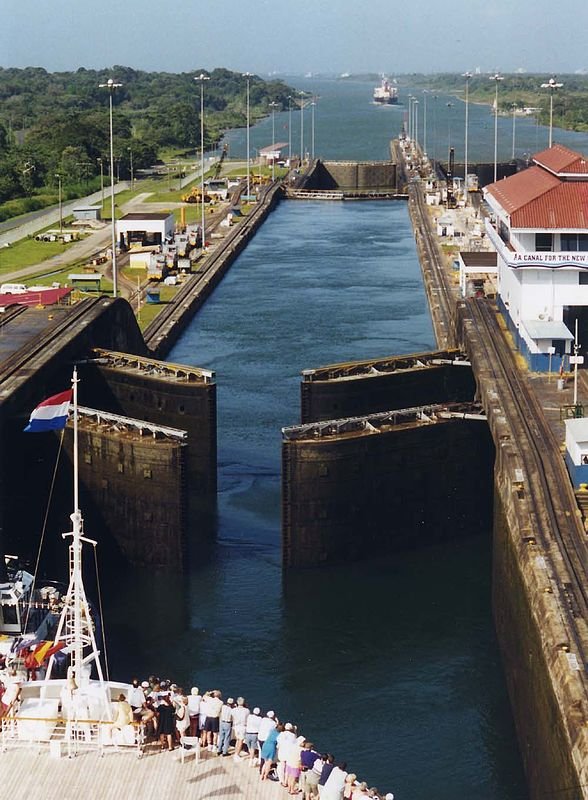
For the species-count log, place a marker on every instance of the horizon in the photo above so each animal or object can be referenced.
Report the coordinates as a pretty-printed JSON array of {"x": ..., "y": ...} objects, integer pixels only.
[{"x": 268, "y": 37}]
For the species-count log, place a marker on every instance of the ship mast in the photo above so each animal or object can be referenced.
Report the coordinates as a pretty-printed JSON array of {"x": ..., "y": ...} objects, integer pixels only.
[{"x": 75, "y": 627}]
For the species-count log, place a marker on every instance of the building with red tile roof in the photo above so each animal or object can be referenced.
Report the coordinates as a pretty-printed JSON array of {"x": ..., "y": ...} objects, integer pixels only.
[{"x": 539, "y": 226}]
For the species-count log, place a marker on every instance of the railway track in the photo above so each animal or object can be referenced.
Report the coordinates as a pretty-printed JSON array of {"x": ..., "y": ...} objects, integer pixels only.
[
  {"x": 10, "y": 367},
  {"x": 547, "y": 485},
  {"x": 440, "y": 296},
  {"x": 195, "y": 290}
]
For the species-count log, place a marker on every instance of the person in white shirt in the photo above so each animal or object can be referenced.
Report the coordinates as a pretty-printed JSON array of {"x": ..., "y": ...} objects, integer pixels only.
[
  {"x": 194, "y": 701},
  {"x": 284, "y": 742},
  {"x": 136, "y": 697},
  {"x": 240, "y": 715},
  {"x": 211, "y": 725},
  {"x": 251, "y": 734},
  {"x": 333, "y": 788},
  {"x": 267, "y": 724}
]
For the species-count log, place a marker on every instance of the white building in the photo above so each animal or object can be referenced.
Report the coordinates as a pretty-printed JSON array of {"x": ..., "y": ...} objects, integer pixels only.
[
  {"x": 145, "y": 229},
  {"x": 539, "y": 227}
]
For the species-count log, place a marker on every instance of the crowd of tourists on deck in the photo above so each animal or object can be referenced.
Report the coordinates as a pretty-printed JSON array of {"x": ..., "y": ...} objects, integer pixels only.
[{"x": 230, "y": 728}]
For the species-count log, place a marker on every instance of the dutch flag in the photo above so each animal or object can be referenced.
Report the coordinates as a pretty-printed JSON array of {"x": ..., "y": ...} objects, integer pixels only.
[{"x": 51, "y": 414}]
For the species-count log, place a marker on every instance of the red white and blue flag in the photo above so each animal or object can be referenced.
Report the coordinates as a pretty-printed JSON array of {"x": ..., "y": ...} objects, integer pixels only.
[{"x": 51, "y": 414}]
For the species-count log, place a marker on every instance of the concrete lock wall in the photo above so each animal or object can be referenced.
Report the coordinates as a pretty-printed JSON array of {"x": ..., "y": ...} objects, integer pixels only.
[
  {"x": 141, "y": 481},
  {"x": 352, "y": 175},
  {"x": 337, "y": 399},
  {"x": 189, "y": 406},
  {"x": 545, "y": 747},
  {"x": 345, "y": 497}
]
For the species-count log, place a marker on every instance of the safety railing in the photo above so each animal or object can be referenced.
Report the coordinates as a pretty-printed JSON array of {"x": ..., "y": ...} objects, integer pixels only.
[{"x": 67, "y": 737}]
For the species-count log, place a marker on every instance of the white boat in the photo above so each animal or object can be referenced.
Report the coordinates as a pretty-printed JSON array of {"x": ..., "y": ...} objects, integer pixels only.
[
  {"x": 76, "y": 711},
  {"x": 386, "y": 93}
]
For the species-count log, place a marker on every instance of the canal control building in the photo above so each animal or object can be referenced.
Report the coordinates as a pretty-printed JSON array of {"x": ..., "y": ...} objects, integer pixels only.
[{"x": 539, "y": 227}]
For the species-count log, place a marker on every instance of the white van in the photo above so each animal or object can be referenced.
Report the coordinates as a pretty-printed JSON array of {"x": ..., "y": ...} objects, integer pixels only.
[{"x": 13, "y": 288}]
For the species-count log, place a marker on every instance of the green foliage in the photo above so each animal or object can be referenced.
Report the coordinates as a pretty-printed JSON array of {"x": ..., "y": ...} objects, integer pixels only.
[
  {"x": 58, "y": 123},
  {"x": 570, "y": 102}
]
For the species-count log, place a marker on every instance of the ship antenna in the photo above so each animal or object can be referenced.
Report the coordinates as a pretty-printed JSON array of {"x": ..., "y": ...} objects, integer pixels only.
[{"x": 75, "y": 628}]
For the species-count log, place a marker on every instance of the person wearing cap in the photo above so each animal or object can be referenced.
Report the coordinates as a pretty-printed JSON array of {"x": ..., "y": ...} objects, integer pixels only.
[
  {"x": 312, "y": 776},
  {"x": 225, "y": 727},
  {"x": 308, "y": 756},
  {"x": 194, "y": 700},
  {"x": 285, "y": 741},
  {"x": 294, "y": 764},
  {"x": 267, "y": 724},
  {"x": 240, "y": 716},
  {"x": 213, "y": 712},
  {"x": 251, "y": 733},
  {"x": 269, "y": 751}
]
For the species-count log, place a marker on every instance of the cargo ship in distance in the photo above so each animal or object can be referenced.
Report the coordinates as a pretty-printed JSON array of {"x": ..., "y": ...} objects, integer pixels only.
[{"x": 386, "y": 93}]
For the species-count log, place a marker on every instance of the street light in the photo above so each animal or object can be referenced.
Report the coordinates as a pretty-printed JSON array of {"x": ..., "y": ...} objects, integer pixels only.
[
  {"x": 425, "y": 92},
  {"x": 273, "y": 105},
  {"x": 130, "y": 149},
  {"x": 312, "y": 107},
  {"x": 416, "y": 125},
  {"x": 290, "y": 128},
  {"x": 496, "y": 78},
  {"x": 410, "y": 99},
  {"x": 202, "y": 77},
  {"x": 514, "y": 123},
  {"x": 100, "y": 161},
  {"x": 248, "y": 76},
  {"x": 552, "y": 85},
  {"x": 468, "y": 77},
  {"x": 60, "y": 204},
  {"x": 111, "y": 86},
  {"x": 301, "y": 93}
]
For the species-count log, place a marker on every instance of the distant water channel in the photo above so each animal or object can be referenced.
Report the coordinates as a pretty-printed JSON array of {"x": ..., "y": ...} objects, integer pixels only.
[{"x": 391, "y": 664}]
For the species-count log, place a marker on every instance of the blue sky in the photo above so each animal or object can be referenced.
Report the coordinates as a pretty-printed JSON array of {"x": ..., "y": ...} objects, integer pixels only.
[{"x": 297, "y": 36}]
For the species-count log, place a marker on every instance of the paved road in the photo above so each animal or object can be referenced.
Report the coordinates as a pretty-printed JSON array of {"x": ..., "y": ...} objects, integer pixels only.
[{"x": 29, "y": 224}]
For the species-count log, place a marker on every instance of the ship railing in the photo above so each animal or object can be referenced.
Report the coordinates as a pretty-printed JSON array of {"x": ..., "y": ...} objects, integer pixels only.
[{"x": 68, "y": 737}]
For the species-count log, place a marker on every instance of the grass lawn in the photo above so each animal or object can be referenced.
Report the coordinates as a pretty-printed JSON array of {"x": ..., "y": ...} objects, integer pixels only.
[
  {"x": 27, "y": 252},
  {"x": 149, "y": 311}
]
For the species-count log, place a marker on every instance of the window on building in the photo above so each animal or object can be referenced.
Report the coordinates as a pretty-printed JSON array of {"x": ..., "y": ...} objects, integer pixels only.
[
  {"x": 583, "y": 276},
  {"x": 543, "y": 242},
  {"x": 574, "y": 241},
  {"x": 504, "y": 232}
]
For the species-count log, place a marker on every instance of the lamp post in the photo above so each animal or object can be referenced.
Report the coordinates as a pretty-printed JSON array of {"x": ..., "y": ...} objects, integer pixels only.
[
  {"x": 290, "y": 128},
  {"x": 552, "y": 85},
  {"x": 60, "y": 204},
  {"x": 111, "y": 86},
  {"x": 247, "y": 76},
  {"x": 273, "y": 105},
  {"x": 514, "y": 123},
  {"x": 449, "y": 107},
  {"x": 301, "y": 93},
  {"x": 202, "y": 77},
  {"x": 312, "y": 107},
  {"x": 468, "y": 77},
  {"x": 435, "y": 132},
  {"x": 425, "y": 92},
  {"x": 101, "y": 162},
  {"x": 496, "y": 78},
  {"x": 130, "y": 149},
  {"x": 410, "y": 99},
  {"x": 416, "y": 124}
]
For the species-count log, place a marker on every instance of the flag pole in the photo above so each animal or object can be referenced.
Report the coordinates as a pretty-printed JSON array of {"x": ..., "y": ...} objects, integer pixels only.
[{"x": 74, "y": 381}]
